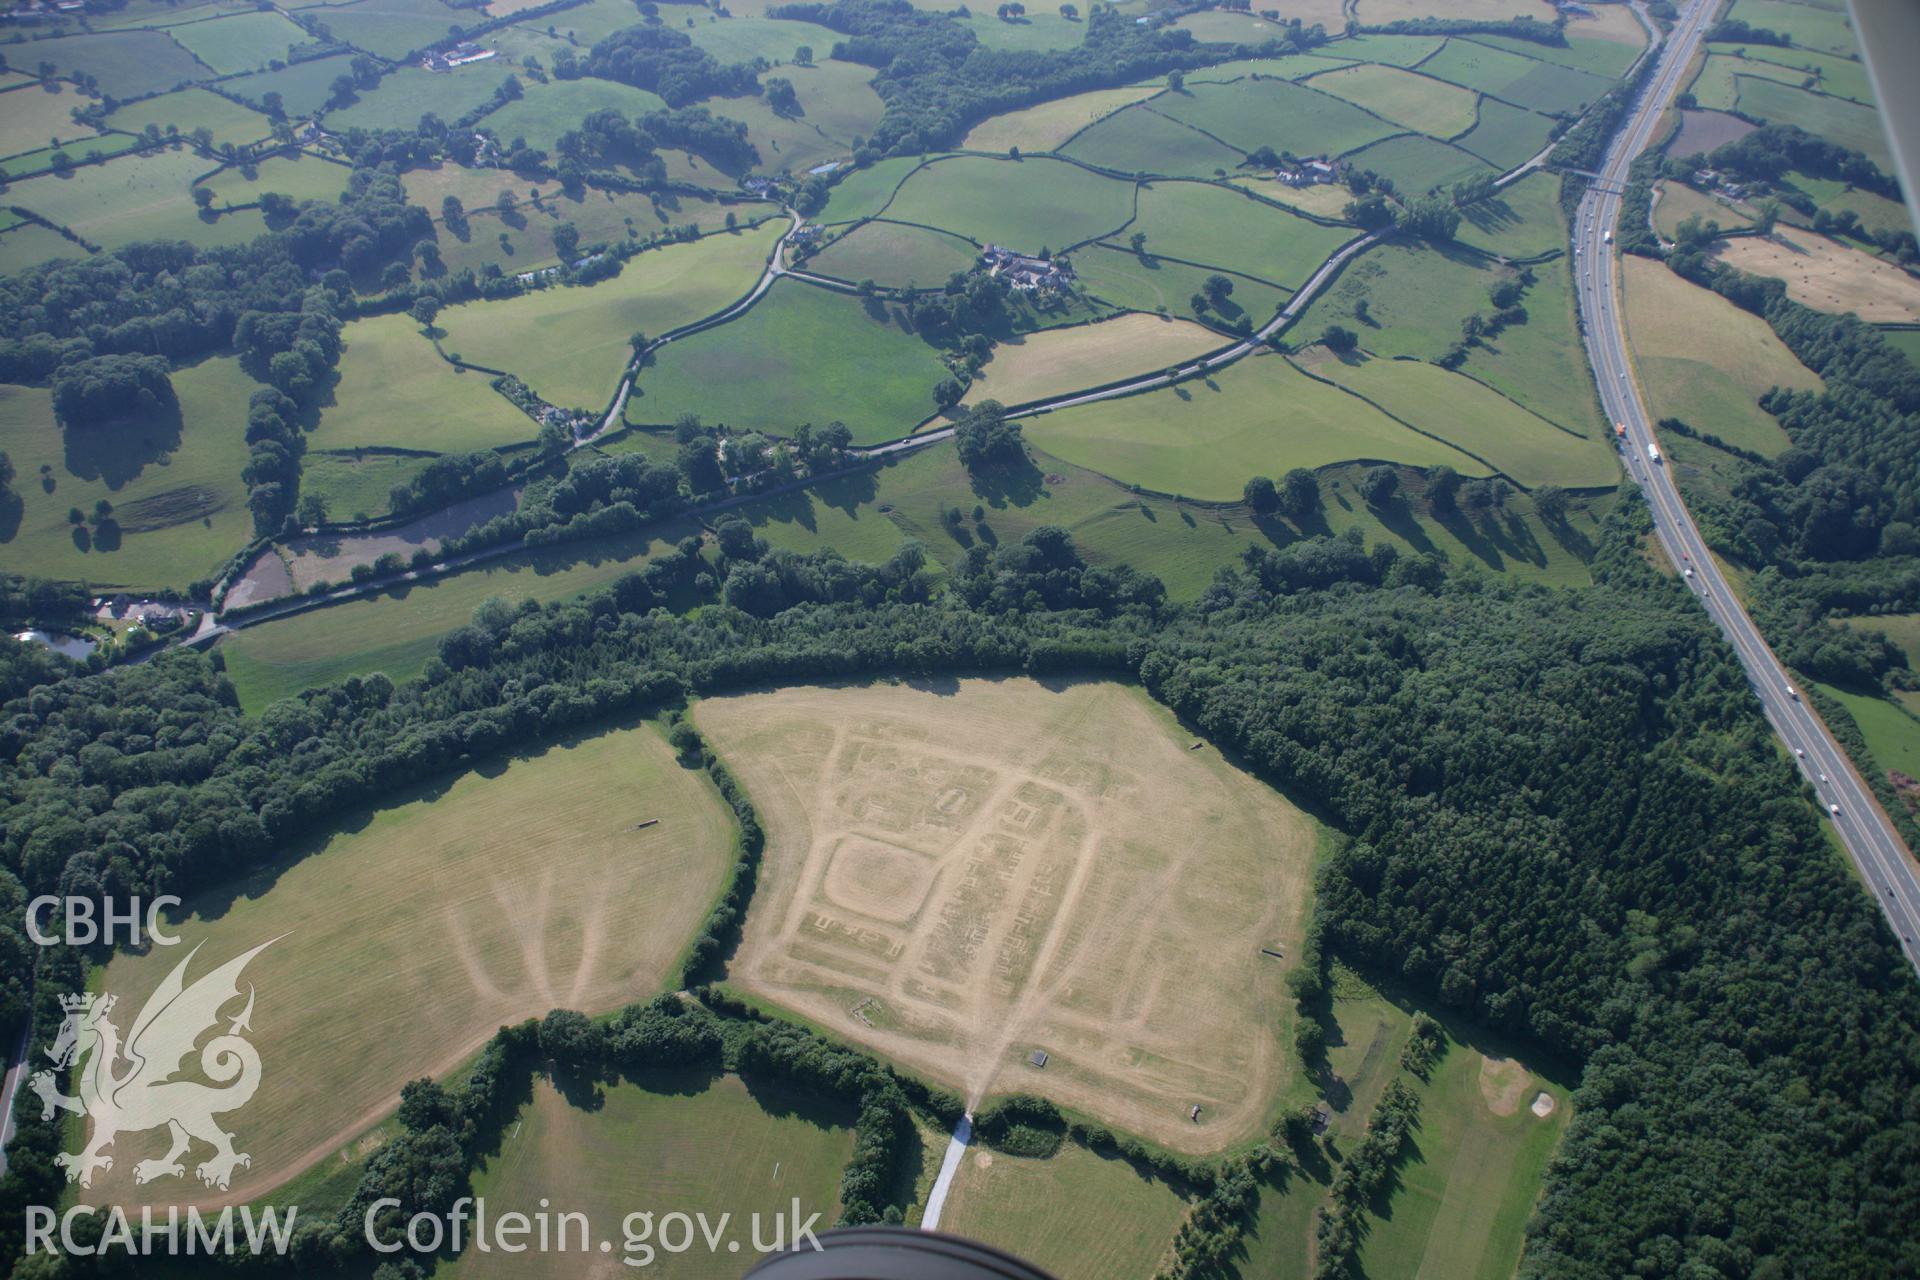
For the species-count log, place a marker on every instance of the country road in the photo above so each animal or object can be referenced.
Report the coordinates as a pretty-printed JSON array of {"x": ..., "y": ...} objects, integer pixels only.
[{"x": 1865, "y": 831}]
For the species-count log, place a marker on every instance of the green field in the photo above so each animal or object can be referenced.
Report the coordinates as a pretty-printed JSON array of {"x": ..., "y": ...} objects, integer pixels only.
[
  {"x": 1876, "y": 213},
  {"x": 1839, "y": 77},
  {"x": 1135, "y": 283},
  {"x": 126, "y": 63},
  {"x": 1479, "y": 421},
  {"x": 179, "y": 505},
  {"x": 393, "y": 390},
  {"x": 495, "y": 895},
  {"x": 1417, "y": 299},
  {"x": 1835, "y": 119},
  {"x": 894, "y": 256},
  {"x": 663, "y": 1143},
  {"x": 411, "y": 92},
  {"x": 549, "y": 110},
  {"x": 242, "y": 42},
  {"x": 397, "y": 630},
  {"x": 303, "y": 87},
  {"x": 1907, "y": 342},
  {"x": 1810, "y": 26},
  {"x": 32, "y": 119},
  {"x": 1419, "y": 164},
  {"x": 1517, "y": 78},
  {"x": 1717, "y": 86},
  {"x": 1704, "y": 360},
  {"x": 1050, "y": 124},
  {"x": 592, "y": 21},
  {"x": 1522, "y": 221},
  {"x": 301, "y": 176},
  {"x": 355, "y": 485},
  {"x": 600, "y": 216},
  {"x": 1143, "y": 141},
  {"x": 864, "y": 193},
  {"x": 571, "y": 344},
  {"x": 1276, "y": 113},
  {"x": 393, "y": 28},
  {"x": 1219, "y": 227},
  {"x": 163, "y": 13},
  {"x": 775, "y": 39},
  {"x": 802, "y": 354},
  {"x": 1595, "y": 55},
  {"x": 1407, "y": 98},
  {"x": 1205, "y": 441},
  {"x": 135, "y": 198},
  {"x": 30, "y": 244},
  {"x": 837, "y": 105},
  {"x": 191, "y": 109},
  {"x": 1041, "y": 28},
  {"x": 1506, "y": 136},
  {"x": 1080, "y": 1215},
  {"x": 1892, "y": 732},
  {"x": 1678, "y": 202},
  {"x": 1026, "y": 205},
  {"x": 1394, "y": 51}
]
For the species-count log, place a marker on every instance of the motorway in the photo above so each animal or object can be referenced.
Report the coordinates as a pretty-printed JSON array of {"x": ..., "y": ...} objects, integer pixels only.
[{"x": 1884, "y": 862}]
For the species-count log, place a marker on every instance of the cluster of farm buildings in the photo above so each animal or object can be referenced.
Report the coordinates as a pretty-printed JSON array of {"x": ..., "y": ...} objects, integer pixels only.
[
  {"x": 1024, "y": 272},
  {"x": 463, "y": 54}
]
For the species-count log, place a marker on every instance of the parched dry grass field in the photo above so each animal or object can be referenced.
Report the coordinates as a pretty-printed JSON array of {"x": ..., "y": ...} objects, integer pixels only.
[
  {"x": 961, "y": 873},
  {"x": 1828, "y": 276},
  {"x": 1050, "y": 124},
  {"x": 404, "y": 940},
  {"x": 1055, "y": 361}
]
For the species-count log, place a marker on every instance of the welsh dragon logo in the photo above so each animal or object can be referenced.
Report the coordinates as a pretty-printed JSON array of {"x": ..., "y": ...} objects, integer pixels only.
[{"x": 125, "y": 1089}]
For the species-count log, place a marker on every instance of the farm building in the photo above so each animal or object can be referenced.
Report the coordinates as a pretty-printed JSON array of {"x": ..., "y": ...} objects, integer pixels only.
[
  {"x": 462, "y": 54},
  {"x": 1024, "y": 272}
]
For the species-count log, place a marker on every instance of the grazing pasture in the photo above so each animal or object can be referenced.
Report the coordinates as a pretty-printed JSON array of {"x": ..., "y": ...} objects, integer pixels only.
[
  {"x": 1717, "y": 85},
  {"x": 1703, "y": 131},
  {"x": 1277, "y": 113},
  {"x": 551, "y": 109},
  {"x": 894, "y": 256},
  {"x": 1522, "y": 220},
  {"x": 1810, "y": 26},
  {"x": 1892, "y": 732},
  {"x": 1518, "y": 78},
  {"x": 304, "y": 87},
  {"x": 1407, "y": 98},
  {"x": 1705, "y": 361},
  {"x": 1205, "y": 438},
  {"x": 1606, "y": 55},
  {"x": 662, "y": 1142},
  {"x": 126, "y": 63},
  {"x": 30, "y": 244},
  {"x": 242, "y": 42},
  {"x": 1219, "y": 227},
  {"x": 571, "y": 345},
  {"x": 1042, "y": 28},
  {"x": 395, "y": 631},
  {"x": 1876, "y": 213},
  {"x": 1383, "y": 11},
  {"x": 1224, "y": 26},
  {"x": 1835, "y": 119},
  {"x": 1144, "y": 282},
  {"x": 1476, "y": 420},
  {"x": 1677, "y": 202},
  {"x": 394, "y": 28},
  {"x": 192, "y": 109},
  {"x": 1048, "y": 125},
  {"x": 957, "y": 876},
  {"x": 1057, "y": 361},
  {"x": 144, "y": 197},
  {"x": 514, "y": 888},
  {"x": 802, "y": 354},
  {"x": 179, "y": 504},
  {"x": 1828, "y": 276},
  {"x": 864, "y": 193},
  {"x": 411, "y": 92},
  {"x": 32, "y": 118},
  {"x": 301, "y": 176},
  {"x": 1393, "y": 50},
  {"x": 774, "y": 39},
  {"x": 1418, "y": 164},
  {"x": 1140, "y": 140},
  {"x": 1080, "y": 1215},
  {"x": 392, "y": 389},
  {"x": 356, "y": 485},
  {"x": 1506, "y": 137},
  {"x": 1023, "y": 204},
  {"x": 837, "y": 105},
  {"x": 1839, "y": 77}
]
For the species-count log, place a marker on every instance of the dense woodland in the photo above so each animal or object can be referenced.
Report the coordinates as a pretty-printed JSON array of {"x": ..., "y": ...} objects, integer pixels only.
[{"x": 1568, "y": 822}]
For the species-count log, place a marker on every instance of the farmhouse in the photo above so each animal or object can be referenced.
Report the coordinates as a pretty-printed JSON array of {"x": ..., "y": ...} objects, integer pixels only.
[
  {"x": 1024, "y": 272},
  {"x": 460, "y": 55},
  {"x": 1310, "y": 173}
]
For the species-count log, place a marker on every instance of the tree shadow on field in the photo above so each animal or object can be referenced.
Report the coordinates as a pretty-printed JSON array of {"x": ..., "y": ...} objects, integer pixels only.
[
  {"x": 114, "y": 453},
  {"x": 1009, "y": 484},
  {"x": 783, "y": 1101},
  {"x": 943, "y": 686},
  {"x": 1397, "y": 517},
  {"x": 1492, "y": 216}
]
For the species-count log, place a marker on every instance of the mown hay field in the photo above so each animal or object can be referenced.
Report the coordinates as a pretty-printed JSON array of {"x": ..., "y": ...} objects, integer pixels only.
[
  {"x": 1057, "y": 361},
  {"x": 404, "y": 940},
  {"x": 1049, "y": 124},
  {"x": 959, "y": 874},
  {"x": 1827, "y": 275}
]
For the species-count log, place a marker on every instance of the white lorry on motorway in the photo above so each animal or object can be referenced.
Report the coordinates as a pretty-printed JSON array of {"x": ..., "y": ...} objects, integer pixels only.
[{"x": 1653, "y": 451}]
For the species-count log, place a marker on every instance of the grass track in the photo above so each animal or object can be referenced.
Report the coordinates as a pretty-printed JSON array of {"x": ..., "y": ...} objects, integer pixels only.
[
  {"x": 802, "y": 354},
  {"x": 493, "y": 895}
]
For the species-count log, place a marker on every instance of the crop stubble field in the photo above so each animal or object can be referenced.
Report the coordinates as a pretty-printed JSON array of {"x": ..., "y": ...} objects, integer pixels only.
[
  {"x": 957, "y": 875},
  {"x": 404, "y": 940}
]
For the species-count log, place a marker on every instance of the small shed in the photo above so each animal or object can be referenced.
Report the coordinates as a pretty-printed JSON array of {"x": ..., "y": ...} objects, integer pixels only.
[{"x": 1038, "y": 1058}]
